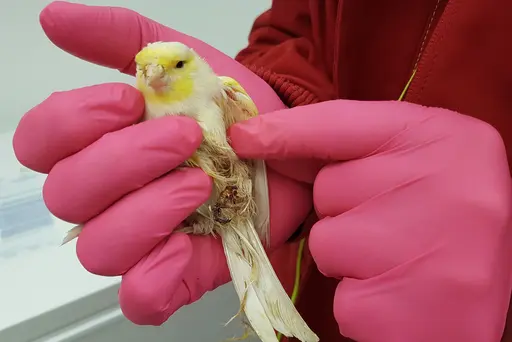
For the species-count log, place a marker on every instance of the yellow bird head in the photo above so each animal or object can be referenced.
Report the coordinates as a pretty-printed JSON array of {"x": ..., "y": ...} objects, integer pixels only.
[{"x": 166, "y": 71}]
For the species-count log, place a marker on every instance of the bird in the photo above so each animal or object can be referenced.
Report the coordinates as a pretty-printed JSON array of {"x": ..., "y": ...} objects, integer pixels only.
[{"x": 175, "y": 80}]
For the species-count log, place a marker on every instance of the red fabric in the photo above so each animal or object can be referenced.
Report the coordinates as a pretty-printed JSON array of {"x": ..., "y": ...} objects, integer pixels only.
[{"x": 315, "y": 51}]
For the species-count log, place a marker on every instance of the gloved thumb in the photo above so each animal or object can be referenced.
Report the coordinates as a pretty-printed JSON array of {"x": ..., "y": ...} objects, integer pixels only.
[{"x": 331, "y": 131}]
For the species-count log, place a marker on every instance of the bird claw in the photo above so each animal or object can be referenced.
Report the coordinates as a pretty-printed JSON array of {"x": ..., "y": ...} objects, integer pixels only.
[
  {"x": 227, "y": 196},
  {"x": 217, "y": 210}
]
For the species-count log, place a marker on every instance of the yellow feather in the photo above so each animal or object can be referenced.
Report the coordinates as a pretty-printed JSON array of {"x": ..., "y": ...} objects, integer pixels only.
[
  {"x": 167, "y": 57},
  {"x": 240, "y": 96}
]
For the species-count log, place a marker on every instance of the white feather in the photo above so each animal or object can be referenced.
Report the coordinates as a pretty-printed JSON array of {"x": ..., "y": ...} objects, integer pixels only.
[
  {"x": 263, "y": 298},
  {"x": 72, "y": 234},
  {"x": 261, "y": 197},
  {"x": 241, "y": 274}
]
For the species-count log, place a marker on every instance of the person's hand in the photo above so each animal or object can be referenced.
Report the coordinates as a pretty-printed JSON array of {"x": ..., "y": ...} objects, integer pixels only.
[
  {"x": 414, "y": 206},
  {"x": 114, "y": 176}
]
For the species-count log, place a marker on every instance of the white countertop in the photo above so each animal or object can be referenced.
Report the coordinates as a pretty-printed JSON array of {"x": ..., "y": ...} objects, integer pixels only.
[{"x": 36, "y": 273}]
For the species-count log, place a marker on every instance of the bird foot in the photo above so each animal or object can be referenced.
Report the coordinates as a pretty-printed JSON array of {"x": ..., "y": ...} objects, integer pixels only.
[{"x": 226, "y": 202}]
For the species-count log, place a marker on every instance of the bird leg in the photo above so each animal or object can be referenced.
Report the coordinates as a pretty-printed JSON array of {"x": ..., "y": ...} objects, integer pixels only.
[{"x": 226, "y": 202}]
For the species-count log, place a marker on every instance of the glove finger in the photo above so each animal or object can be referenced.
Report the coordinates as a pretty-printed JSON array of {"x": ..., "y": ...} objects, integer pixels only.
[
  {"x": 304, "y": 171},
  {"x": 83, "y": 185},
  {"x": 353, "y": 245},
  {"x": 292, "y": 200},
  {"x": 111, "y": 36},
  {"x": 361, "y": 309},
  {"x": 177, "y": 272},
  {"x": 372, "y": 237},
  {"x": 409, "y": 303},
  {"x": 108, "y": 36},
  {"x": 68, "y": 121},
  {"x": 114, "y": 241},
  {"x": 361, "y": 233},
  {"x": 150, "y": 290},
  {"x": 348, "y": 131}
]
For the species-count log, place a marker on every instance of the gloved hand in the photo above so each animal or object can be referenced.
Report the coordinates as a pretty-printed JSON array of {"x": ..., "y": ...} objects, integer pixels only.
[
  {"x": 113, "y": 175},
  {"x": 414, "y": 206}
]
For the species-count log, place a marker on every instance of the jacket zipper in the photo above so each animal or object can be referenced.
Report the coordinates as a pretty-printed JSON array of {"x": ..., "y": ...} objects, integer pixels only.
[
  {"x": 337, "y": 40},
  {"x": 424, "y": 40}
]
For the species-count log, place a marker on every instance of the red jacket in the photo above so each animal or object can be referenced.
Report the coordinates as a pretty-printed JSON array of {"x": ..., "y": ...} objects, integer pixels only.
[{"x": 311, "y": 51}]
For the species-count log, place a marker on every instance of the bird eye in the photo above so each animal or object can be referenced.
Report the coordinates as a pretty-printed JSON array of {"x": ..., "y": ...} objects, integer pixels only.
[{"x": 180, "y": 64}]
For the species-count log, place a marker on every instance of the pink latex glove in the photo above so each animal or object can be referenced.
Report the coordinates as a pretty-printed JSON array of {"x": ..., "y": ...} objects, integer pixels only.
[
  {"x": 114, "y": 175},
  {"x": 415, "y": 221}
]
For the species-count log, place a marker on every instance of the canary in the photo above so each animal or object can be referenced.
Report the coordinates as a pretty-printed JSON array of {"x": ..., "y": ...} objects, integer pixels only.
[{"x": 175, "y": 80}]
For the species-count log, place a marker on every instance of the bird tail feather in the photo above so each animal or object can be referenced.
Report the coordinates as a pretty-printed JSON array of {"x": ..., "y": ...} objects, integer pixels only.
[
  {"x": 72, "y": 234},
  {"x": 263, "y": 299}
]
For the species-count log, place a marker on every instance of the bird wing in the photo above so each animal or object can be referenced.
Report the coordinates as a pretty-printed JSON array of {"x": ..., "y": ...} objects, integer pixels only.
[
  {"x": 236, "y": 106},
  {"x": 264, "y": 301},
  {"x": 238, "y": 97}
]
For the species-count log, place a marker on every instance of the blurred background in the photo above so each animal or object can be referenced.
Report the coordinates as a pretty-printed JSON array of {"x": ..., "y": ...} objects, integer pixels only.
[{"x": 45, "y": 295}]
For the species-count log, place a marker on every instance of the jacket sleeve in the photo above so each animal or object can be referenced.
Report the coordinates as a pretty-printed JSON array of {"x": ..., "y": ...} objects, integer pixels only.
[{"x": 283, "y": 52}]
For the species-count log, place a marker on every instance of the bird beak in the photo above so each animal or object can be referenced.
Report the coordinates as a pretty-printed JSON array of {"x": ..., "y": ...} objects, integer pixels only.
[{"x": 155, "y": 77}]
